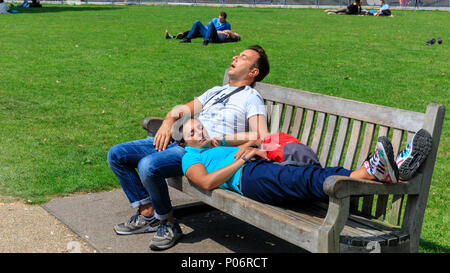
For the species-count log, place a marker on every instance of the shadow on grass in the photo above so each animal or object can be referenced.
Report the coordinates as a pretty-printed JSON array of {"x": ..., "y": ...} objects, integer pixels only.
[
  {"x": 432, "y": 247},
  {"x": 45, "y": 9}
]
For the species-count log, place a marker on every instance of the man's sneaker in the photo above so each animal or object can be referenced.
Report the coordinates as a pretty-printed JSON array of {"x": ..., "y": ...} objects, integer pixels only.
[
  {"x": 185, "y": 40},
  {"x": 382, "y": 164},
  {"x": 166, "y": 236},
  {"x": 137, "y": 224},
  {"x": 417, "y": 150},
  {"x": 205, "y": 42}
]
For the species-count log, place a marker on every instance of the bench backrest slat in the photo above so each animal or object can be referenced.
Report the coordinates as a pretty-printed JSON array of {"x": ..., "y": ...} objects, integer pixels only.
[
  {"x": 318, "y": 132},
  {"x": 297, "y": 122},
  {"x": 353, "y": 144},
  {"x": 340, "y": 142},
  {"x": 277, "y": 111},
  {"x": 310, "y": 114},
  {"x": 328, "y": 141},
  {"x": 287, "y": 118}
]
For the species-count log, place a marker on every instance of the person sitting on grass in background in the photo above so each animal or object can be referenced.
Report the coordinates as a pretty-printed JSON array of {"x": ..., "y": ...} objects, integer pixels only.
[
  {"x": 353, "y": 9},
  {"x": 220, "y": 23},
  {"x": 384, "y": 10},
  {"x": 209, "y": 34},
  {"x": 272, "y": 183},
  {"x": 216, "y": 25},
  {"x": 4, "y": 9}
]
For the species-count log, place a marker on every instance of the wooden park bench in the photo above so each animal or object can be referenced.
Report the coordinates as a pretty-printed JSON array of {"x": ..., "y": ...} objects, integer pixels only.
[{"x": 361, "y": 215}]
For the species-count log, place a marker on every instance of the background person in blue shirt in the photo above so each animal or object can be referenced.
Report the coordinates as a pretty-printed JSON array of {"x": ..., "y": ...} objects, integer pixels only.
[
  {"x": 199, "y": 30},
  {"x": 211, "y": 35},
  {"x": 384, "y": 9}
]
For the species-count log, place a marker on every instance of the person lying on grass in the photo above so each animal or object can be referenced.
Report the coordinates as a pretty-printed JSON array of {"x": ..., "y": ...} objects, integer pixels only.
[
  {"x": 352, "y": 9},
  {"x": 272, "y": 183}
]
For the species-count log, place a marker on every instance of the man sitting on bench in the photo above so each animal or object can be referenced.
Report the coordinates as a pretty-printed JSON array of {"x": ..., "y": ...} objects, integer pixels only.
[{"x": 141, "y": 166}]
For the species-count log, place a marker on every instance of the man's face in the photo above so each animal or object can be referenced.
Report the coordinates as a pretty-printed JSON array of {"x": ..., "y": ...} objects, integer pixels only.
[
  {"x": 194, "y": 134},
  {"x": 241, "y": 67},
  {"x": 222, "y": 19}
]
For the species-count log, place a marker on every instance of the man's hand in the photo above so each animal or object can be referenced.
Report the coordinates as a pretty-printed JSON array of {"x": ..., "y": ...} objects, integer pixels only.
[
  {"x": 228, "y": 33},
  {"x": 163, "y": 136}
]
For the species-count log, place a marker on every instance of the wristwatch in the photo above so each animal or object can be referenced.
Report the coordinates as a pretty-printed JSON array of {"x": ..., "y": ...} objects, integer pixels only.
[{"x": 245, "y": 159}]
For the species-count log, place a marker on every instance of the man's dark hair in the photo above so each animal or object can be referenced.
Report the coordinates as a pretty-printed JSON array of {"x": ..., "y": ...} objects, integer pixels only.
[
  {"x": 223, "y": 13},
  {"x": 262, "y": 63}
]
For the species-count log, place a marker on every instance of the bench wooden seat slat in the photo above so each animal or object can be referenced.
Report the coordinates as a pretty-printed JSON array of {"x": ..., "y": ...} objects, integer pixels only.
[{"x": 360, "y": 215}]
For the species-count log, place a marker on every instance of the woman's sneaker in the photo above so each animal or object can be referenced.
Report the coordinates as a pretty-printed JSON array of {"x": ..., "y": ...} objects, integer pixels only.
[
  {"x": 382, "y": 164},
  {"x": 166, "y": 236},
  {"x": 417, "y": 150},
  {"x": 137, "y": 224}
]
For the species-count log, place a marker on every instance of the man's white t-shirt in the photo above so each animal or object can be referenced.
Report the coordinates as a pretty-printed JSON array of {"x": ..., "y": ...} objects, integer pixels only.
[{"x": 230, "y": 116}]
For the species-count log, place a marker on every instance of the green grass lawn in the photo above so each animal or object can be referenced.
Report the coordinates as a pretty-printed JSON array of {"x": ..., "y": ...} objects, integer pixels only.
[{"x": 76, "y": 80}]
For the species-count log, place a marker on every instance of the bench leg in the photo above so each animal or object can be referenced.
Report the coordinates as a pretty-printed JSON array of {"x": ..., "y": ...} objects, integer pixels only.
[{"x": 329, "y": 232}]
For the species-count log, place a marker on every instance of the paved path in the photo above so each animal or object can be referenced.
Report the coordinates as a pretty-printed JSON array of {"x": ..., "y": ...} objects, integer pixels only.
[
  {"x": 31, "y": 229},
  {"x": 84, "y": 223}
]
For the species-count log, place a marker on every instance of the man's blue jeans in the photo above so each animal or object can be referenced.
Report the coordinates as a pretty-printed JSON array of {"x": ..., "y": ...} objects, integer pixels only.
[
  {"x": 209, "y": 33},
  {"x": 147, "y": 185}
]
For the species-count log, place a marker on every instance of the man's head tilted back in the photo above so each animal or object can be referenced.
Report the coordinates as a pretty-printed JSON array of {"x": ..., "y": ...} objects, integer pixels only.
[
  {"x": 250, "y": 66},
  {"x": 262, "y": 63}
]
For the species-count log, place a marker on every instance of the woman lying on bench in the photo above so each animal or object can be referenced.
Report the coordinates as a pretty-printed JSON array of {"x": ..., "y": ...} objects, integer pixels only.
[{"x": 272, "y": 183}]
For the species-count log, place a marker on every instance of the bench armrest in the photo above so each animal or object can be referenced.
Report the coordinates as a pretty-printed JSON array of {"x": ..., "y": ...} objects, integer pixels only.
[
  {"x": 339, "y": 189},
  {"x": 342, "y": 186},
  {"x": 151, "y": 125}
]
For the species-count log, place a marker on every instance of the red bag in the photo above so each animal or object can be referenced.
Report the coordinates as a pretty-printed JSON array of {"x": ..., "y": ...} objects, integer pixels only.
[
  {"x": 281, "y": 147},
  {"x": 273, "y": 144}
]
